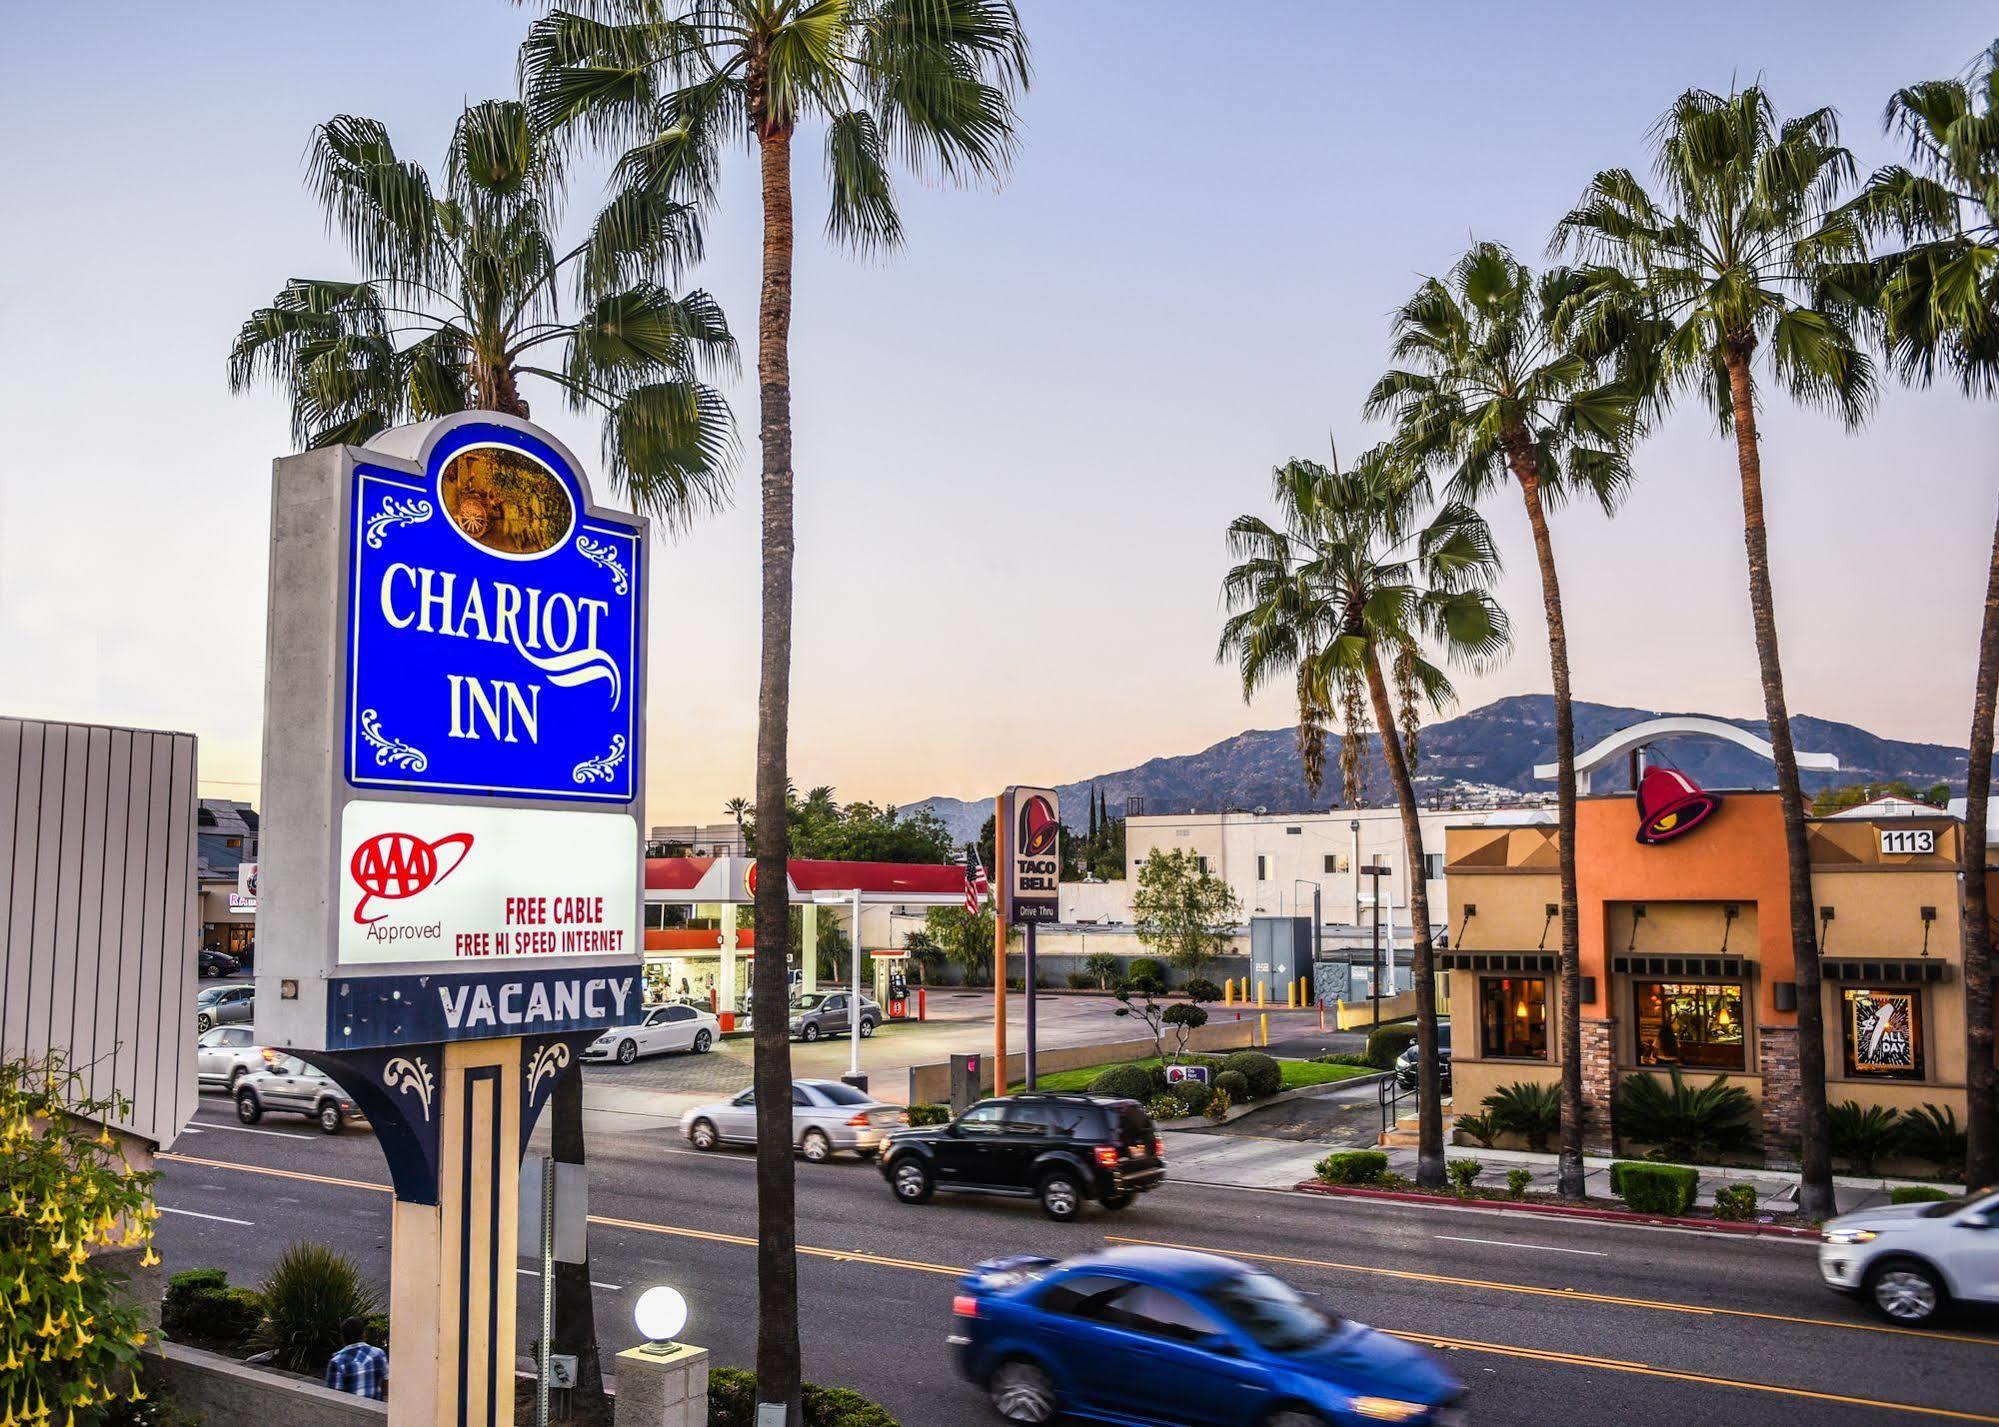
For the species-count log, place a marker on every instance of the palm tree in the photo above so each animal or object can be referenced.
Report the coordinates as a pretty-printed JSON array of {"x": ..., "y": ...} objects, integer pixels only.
[
  {"x": 1736, "y": 261},
  {"x": 463, "y": 287},
  {"x": 1495, "y": 389},
  {"x": 1938, "y": 306},
  {"x": 931, "y": 82},
  {"x": 465, "y": 292},
  {"x": 737, "y": 808},
  {"x": 1354, "y": 578}
]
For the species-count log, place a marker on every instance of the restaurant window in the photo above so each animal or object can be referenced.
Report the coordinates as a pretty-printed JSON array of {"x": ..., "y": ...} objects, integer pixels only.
[
  {"x": 1692, "y": 1023},
  {"x": 1513, "y": 1011},
  {"x": 1335, "y": 862},
  {"x": 1883, "y": 1032},
  {"x": 1262, "y": 868}
]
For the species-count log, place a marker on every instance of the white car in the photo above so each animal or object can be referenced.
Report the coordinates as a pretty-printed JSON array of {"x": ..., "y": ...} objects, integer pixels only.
[
  {"x": 1911, "y": 1260},
  {"x": 826, "y": 1115},
  {"x": 674, "y": 1027},
  {"x": 226, "y": 1054}
]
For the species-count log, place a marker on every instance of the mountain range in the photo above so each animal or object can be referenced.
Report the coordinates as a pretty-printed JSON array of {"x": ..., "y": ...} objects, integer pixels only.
[{"x": 1480, "y": 758}]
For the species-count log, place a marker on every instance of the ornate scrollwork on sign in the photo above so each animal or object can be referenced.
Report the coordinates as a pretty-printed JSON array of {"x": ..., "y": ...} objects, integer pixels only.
[
  {"x": 607, "y": 556},
  {"x": 591, "y": 769},
  {"x": 393, "y": 513},
  {"x": 391, "y": 750},
  {"x": 550, "y": 1061},
  {"x": 404, "y": 1075}
]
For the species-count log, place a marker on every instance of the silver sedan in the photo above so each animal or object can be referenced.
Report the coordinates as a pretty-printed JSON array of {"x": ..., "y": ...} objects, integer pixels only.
[
  {"x": 826, "y": 1116},
  {"x": 225, "y": 1054}
]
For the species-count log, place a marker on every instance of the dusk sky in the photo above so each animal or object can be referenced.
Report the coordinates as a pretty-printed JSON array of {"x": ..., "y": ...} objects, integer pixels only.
[{"x": 1020, "y": 439}]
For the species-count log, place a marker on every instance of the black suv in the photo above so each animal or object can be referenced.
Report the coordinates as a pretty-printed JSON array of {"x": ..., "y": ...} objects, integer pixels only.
[
  {"x": 1405, "y": 1063},
  {"x": 1061, "y": 1149}
]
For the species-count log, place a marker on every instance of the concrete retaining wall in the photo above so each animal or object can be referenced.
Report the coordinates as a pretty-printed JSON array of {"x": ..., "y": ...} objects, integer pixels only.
[
  {"x": 931, "y": 1084},
  {"x": 220, "y": 1390}
]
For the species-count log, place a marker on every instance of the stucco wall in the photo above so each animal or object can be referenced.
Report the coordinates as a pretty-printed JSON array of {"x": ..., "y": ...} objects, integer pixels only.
[{"x": 220, "y": 1390}]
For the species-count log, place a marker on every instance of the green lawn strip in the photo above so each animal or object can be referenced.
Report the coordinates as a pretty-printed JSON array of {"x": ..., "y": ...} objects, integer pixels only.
[{"x": 1297, "y": 1073}]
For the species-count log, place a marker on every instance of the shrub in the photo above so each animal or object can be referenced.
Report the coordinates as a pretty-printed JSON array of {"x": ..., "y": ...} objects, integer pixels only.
[
  {"x": 1384, "y": 1043},
  {"x": 1735, "y": 1202},
  {"x": 1684, "y": 1122},
  {"x": 929, "y": 1114},
  {"x": 1353, "y": 1167},
  {"x": 1102, "y": 968},
  {"x": 1862, "y": 1135},
  {"x": 1146, "y": 969},
  {"x": 1194, "y": 1094},
  {"x": 1133, "y": 1082},
  {"x": 1527, "y": 1108},
  {"x": 1165, "y": 1107},
  {"x": 732, "y": 1402},
  {"x": 1462, "y": 1173},
  {"x": 1200, "y": 988},
  {"x": 1481, "y": 1129},
  {"x": 1082, "y": 981},
  {"x": 309, "y": 1294},
  {"x": 1918, "y": 1194},
  {"x": 1344, "y": 1057},
  {"x": 1654, "y": 1188},
  {"x": 1234, "y": 1084},
  {"x": 1218, "y": 1105},
  {"x": 200, "y": 1307},
  {"x": 1265, "y": 1075},
  {"x": 1932, "y": 1132},
  {"x": 1517, "y": 1181}
]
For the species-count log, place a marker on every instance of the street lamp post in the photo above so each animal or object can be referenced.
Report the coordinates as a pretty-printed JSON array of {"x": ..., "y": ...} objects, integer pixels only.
[
  {"x": 853, "y": 1076},
  {"x": 1374, "y": 960}
]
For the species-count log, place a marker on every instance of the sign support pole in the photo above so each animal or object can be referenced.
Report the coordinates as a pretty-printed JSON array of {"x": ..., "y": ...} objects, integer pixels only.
[
  {"x": 547, "y": 1342},
  {"x": 1027, "y": 982},
  {"x": 1002, "y": 876}
]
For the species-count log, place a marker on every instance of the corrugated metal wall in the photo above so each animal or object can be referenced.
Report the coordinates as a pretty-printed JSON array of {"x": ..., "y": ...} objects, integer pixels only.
[{"x": 98, "y": 927}]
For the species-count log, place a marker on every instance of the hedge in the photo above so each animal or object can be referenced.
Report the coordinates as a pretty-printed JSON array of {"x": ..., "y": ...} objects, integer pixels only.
[
  {"x": 1384, "y": 1043},
  {"x": 929, "y": 1114},
  {"x": 1654, "y": 1188},
  {"x": 732, "y": 1402},
  {"x": 1918, "y": 1194},
  {"x": 1146, "y": 968},
  {"x": 200, "y": 1307},
  {"x": 1353, "y": 1167},
  {"x": 1264, "y": 1075},
  {"x": 1132, "y": 1082}
]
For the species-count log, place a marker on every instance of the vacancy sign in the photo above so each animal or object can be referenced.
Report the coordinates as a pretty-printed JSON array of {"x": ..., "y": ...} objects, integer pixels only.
[{"x": 464, "y": 884}]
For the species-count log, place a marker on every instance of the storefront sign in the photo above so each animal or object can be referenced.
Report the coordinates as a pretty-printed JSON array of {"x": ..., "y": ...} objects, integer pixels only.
[
  {"x": 492, "y": 628},
  {"x": 438, "y": 882},
  {"x": 240, "y": 903},
  {"x": 1884, "y": 1033},
  {"x": 1903, "y": 841},
  {"x": 368, "y": 1011},
  {"x": 1033, "y": 854},
  {"x": 1670, "y": 805}
]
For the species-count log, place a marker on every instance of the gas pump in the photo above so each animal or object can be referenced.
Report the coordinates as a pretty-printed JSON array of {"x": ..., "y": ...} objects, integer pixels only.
[{"x": 898, "y": 995}]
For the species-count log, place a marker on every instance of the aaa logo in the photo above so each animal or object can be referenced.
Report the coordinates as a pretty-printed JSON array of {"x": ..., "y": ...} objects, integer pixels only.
[{"x": 395, "y": 865}]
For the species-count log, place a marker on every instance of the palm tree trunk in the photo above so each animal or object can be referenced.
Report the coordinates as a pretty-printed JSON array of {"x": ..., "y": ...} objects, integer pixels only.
[
  {"x": 1981, "y": 1093},
  {"x": 1815, "y": 1198},
  {"x": 1526, "y": 470},
  {"x": 575, "y": 1329},
  {"x": 1429, "y": 1112},
  {"x": 778, "y": 1367}
]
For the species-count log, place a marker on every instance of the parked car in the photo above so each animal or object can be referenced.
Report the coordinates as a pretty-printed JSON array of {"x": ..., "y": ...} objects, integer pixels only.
[
  {"x": 1912, "y": 1261},
  {"x": 294, "y": 1085},
  {"x": 824, "y": 1013},
  {"x": 826, "y": 1116},
  {"x": 226, "y": 1054},
  {"x": 223, "y": 1005},
  {"x": 1064, "y": 1150},
  {"x": 1405, "y": 1063},
  {"x": 1151, "y": 1335},
  {"x": 673, "y": 1027},
  {"x": 216, "y": 963}
]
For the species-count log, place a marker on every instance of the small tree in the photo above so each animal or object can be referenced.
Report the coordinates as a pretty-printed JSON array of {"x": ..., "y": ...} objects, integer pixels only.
[
  {"x": 1103, "y": 966},
  {"x": 1138, "y": 997},
  {"x": 965, "y": 938},
  {"x": 1185, "y": 1018},
  {"x": 69, "y": 1340},
  {"x": 1185, "y": 914}
]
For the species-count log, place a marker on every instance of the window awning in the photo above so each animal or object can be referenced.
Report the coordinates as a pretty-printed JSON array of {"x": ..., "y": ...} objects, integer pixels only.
[
  {"x": 1902, "y": 969},
  {"x": 1500, "y": 961},
  {"x": 1706, "y": 968}
]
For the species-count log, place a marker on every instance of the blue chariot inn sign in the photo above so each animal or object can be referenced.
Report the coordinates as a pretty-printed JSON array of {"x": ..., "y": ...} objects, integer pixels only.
[{"x": 493, "y": 626}]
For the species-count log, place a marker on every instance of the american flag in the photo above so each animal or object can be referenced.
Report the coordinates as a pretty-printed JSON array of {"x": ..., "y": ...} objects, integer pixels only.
[{"x": 976, "y": 886}]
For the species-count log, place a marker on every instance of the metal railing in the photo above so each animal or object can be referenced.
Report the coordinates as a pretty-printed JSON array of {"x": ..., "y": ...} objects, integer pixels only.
[{"x": 1389, "y": 1091}]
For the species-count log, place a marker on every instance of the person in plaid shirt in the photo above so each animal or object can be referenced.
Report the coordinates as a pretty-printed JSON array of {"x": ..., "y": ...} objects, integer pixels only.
[{"x": 360, "y": 1368}]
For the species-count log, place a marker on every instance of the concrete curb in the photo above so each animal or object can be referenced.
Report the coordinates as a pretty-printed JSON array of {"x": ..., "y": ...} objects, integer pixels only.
[{"x": 1559, "y": 1211}]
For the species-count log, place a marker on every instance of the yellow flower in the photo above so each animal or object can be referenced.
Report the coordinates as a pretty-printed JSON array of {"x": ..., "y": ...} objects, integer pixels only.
[
  {"x": 140, "y": 1338},
  {"x": 48, "y": 1328},
  {"x": 71, "y": 1277},
  {"x": 149, "y": 1258}
]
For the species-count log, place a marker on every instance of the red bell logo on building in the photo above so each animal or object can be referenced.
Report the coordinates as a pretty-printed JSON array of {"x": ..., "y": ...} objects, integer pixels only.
[{"x": 1671, "y": 803}]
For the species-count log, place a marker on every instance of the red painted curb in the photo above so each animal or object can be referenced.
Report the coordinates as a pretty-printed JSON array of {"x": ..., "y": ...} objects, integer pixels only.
[{"x": 1568, "y": 1211}]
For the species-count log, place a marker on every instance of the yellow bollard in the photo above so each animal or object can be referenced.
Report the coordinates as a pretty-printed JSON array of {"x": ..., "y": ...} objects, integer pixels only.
[
  {"x": 1228, "y": 992},
  {"x": 1261, "y": 989},
  {"x": 1290, "y": 995},
  {"x": 1263, "y": 1024},
  {"x": 1304, "y": 990}
]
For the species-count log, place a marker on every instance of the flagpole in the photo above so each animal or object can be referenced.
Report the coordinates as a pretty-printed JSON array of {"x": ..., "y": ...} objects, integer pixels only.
[{"x": 1001, "y": 877}]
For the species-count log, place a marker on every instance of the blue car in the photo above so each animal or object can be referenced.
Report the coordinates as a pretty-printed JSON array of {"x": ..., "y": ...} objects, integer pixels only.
[{"x": 1164, "y": 1336}]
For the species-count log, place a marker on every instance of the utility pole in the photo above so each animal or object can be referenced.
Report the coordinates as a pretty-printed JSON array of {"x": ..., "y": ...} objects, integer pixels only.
[{"x": 1375, "y": 874}]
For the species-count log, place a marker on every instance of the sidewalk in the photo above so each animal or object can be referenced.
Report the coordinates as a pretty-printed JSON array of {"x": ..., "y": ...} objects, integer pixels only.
[{"x": 1279, "y": 1164}]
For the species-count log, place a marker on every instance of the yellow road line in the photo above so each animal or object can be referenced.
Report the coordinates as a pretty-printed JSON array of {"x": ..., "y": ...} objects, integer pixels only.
[
  {"x": 1540, "y": 1355},
  {"x": 1573, "y": 1295}
]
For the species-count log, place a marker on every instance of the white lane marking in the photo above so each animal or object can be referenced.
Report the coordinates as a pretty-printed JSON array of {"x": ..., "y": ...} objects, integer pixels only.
[
  {"x": 278, "y": 1134},
  {"x": 536, "y": 1273},
  {"x": 1516, "y": 1244},
  {"x": 218, "y": 1218}
]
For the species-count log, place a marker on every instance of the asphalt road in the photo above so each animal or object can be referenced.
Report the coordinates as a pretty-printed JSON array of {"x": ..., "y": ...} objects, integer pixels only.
[{"x": 1542, "y": 1320}]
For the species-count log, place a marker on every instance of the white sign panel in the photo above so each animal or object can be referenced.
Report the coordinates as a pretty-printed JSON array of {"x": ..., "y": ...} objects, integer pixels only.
[
  {"x": 1903, "y": 841},
  {"x": 467, "y": 884}
]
